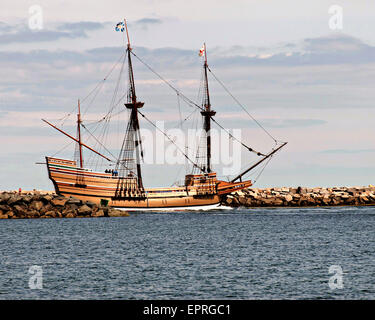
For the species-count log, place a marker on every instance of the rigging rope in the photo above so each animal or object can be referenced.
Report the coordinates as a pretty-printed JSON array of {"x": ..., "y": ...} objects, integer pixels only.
[
  {"x": 187, "y": 100},
  {"x": 191, "y": 103},
  {"x": 105, "y": 130},
  {"x": 233, "y": 137},
  {"x": 98, "y": 141},
  {"x": 109, "y": 113},
  {"x": 179, "y": 109},
  {"x": 171, "y": 140},
  {"x": 100, "y": 83},
  {"x": 62, "y": 149},
  {"x": 243, "y": 108},
  {"x": 261, "y": 171}
]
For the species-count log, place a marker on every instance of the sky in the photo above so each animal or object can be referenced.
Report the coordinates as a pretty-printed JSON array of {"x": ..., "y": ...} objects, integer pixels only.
[{"x": 303, "y": 71}]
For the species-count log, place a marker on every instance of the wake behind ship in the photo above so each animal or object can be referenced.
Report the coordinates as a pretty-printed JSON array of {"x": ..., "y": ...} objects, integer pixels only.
[{"x": 122, "y": 187}]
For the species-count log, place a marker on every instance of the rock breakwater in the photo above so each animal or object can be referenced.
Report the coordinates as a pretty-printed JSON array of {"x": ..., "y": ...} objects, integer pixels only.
[
  {"x": 301, "y": 197},
  {"x": 14, "y": 205}
]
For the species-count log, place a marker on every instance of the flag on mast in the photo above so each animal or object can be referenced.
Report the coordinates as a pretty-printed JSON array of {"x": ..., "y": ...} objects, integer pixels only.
[
  {"x": 201, "y": 51},
  {"x": 120, "y": 27}
]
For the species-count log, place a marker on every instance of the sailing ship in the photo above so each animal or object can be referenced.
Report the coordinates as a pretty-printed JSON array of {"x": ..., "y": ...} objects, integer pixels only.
[{"x": 123, "y": 187}]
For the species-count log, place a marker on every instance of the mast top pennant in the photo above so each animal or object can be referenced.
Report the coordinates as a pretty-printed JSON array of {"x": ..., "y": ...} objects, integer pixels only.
[
  {"x": 202, "y": 51},
  {"x": 120, "y": 27}
]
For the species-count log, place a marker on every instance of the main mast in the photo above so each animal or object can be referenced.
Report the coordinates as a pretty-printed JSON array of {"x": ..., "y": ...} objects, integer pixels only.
[
  {"x": 132, "y": 142},
  {"x": 207, "y": 113}
]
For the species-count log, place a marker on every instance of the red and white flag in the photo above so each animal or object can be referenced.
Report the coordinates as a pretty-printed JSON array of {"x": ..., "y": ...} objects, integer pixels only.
[{"x": 201, "y": 51}]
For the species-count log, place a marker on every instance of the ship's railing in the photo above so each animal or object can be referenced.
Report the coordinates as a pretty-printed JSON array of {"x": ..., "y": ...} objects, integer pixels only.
[
  {"x": 208, "y": 187},
  {"x": 127, "y": 188}
]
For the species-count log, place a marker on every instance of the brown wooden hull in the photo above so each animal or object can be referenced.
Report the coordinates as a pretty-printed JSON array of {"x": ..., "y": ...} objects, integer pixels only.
[{"x": 101, "y": 188}]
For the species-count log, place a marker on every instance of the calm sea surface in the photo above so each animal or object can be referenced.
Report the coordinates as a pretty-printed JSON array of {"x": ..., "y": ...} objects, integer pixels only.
[{"x": 235, "y": 254}]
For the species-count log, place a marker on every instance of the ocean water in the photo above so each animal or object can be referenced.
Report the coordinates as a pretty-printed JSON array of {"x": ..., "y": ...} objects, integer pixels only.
[{"x": 230, "y": 254}]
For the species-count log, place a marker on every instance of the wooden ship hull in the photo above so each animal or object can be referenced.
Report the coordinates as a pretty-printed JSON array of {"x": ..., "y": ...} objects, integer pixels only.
[{"x": 102, "y": 188}]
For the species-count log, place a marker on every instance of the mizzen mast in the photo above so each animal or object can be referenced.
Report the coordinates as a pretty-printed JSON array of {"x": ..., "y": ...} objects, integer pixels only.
[
  {"x": 79, "y": 121},
  {"x": 76, "y": 140}
]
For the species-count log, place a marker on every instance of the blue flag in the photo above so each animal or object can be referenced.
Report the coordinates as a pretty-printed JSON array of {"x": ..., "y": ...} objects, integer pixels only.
[{"x": 120, "y": 27}]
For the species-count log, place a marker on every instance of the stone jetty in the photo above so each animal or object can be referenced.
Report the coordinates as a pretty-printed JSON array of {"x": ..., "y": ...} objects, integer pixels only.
[
  {"x": 28, "y": 205},
  {"x": 301, "y": 197}
]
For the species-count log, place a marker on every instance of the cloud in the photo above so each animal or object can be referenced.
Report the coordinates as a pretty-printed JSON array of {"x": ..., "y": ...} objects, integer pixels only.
[
  {"x": 348, "y": 151},
  {"x": 26, "y": 119},
  {"x": 4, "y": 27},
  {"x": 148, "y": 21},
  {"x": 238, "y": 119},
  {"x": 155, "y": 57},
  {"x": 332, "y": 50},
  {"x": 317, "y": 51},
  {"x": 83, "y": 25},
  {"x": 54, "y": 79},
  {"x": 295, "y": 123},
  {"x": 22, "y": 34},
  {"x": 144, "y": 23},
  {"x": 335, "y": 44},
  {"x": 328, "y": 50}
]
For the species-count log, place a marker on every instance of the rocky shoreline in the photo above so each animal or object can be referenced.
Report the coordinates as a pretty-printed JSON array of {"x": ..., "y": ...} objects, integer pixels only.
[
  {"x": 34, "y": 204},
  {"x": 301, "y": 197},
  {"x": 31, "y": 205}
]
